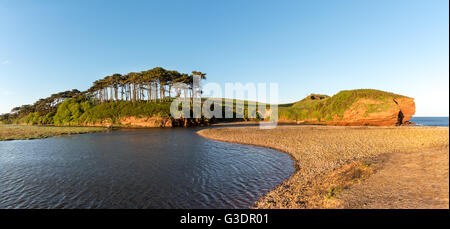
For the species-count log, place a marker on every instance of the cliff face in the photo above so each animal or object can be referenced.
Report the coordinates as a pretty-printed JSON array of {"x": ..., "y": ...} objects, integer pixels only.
[
  {"x": 408, "y": 107},
  {"x": 353, "y": 107},
  {"x": 397, "y": 112},
  {"x": 135, "y": 122}
]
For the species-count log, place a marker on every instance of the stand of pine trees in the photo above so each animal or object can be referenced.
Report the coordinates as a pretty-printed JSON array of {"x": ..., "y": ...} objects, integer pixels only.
[{"x": 133, "y": 93}]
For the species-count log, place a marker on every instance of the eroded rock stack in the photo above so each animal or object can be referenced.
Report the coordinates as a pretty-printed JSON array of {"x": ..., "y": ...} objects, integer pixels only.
[{"x": 352, "y": 108}]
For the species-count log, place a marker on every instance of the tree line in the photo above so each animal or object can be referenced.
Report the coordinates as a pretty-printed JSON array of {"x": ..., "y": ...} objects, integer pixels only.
[
  {"x": 42, "y": 106},
  {"x": 153, "y": 86}
]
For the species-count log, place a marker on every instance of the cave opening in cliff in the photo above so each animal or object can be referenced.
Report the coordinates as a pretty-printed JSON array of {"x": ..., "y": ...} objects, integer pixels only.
[{"x": 400, "y": 118}]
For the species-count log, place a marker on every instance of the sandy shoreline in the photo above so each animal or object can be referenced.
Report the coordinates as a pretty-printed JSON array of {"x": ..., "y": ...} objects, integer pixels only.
[{"x": 354, "y": 167}]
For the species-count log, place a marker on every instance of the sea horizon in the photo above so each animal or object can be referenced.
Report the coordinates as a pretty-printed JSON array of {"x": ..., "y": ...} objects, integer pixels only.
[{"x": 430, "y": 120}]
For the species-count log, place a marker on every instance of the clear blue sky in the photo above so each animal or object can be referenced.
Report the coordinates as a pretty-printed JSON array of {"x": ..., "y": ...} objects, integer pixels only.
[{"x": 305, "y": 46}]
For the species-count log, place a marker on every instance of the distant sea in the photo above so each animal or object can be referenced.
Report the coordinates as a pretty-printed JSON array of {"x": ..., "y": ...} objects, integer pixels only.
[{"x": 430, "y": 121}]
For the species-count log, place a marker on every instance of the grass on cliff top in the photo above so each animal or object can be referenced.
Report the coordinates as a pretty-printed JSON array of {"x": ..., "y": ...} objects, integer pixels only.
[
  {"x": 324, "y": 108},
  {"x": 35, "y": 132}
]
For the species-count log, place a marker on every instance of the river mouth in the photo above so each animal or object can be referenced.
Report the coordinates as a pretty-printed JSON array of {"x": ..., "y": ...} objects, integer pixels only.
[{"x": 137, "y": 168}]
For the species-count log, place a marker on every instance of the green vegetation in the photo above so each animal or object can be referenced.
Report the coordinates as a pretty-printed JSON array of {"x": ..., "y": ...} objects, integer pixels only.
[
  {"x": 324, "y": 108},
  {"x": 34, "y": 132},
  {"x": 136, "y": 94},
  {"x": 150, "y": 93},
  {"x": 78, "y": 112},
  {"x": 332, "y": 192},
  {"x": 139, "y": 94},
  {"x": 113, "y": 111},
  {"x": 73, "y": 112}
]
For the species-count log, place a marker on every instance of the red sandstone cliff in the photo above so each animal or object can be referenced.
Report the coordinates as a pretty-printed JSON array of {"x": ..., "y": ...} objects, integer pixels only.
[
  {"x": 398, "y": 112},
  {"x": 352, "y": 107},
  {"x": 134, "y": 122}
]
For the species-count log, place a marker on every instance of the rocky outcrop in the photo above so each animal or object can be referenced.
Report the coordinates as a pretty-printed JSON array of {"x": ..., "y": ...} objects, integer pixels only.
[
  {"x": 148, "y": 122},
  {"x": 352, "y": 108},
  {"x": 397, "y": 112},
  {"x": 144, "y": 122},
  {"x": 407, "y": 107}
]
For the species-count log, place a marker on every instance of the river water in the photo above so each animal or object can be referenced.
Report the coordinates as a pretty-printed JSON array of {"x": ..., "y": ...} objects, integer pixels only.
[{"x": 148, "y": 168}]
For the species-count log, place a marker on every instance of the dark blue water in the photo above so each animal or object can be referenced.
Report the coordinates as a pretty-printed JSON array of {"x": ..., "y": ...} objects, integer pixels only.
[
  {"x": 430, "y": 121},
  {"x": 150, "y": 168}
]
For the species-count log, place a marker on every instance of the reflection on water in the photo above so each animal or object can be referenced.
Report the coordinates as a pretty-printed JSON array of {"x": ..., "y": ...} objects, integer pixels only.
[{"x": 153, "y": 168}]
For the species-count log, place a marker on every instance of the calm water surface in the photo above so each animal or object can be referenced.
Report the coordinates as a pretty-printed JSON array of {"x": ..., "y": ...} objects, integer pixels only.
[
  {"x": 430, "y": 121},
  {"x": 153, "y": 168}
]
